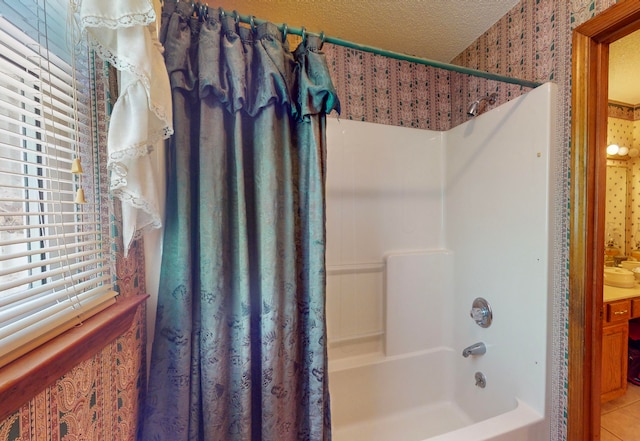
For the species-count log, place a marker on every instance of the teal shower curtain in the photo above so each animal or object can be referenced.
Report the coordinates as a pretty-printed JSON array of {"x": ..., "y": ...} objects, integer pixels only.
[{"x": 240, "y": 341}]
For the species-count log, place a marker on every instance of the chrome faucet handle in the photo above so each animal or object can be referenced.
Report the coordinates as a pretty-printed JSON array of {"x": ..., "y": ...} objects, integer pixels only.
[
  {"x": 481, "y": 312},
  {"x": 478, "y": 314}
]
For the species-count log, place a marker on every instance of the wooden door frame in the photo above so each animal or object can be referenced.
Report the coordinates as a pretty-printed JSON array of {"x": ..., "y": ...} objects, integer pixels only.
[{"x": 589, "y": 105}]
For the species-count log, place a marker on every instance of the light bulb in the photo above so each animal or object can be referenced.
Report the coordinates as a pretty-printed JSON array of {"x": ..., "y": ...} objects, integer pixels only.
[
  {"x": 633, "y": 152},
  {"x": 622, "y": 151},
  {"x": 612, "y": 149}
]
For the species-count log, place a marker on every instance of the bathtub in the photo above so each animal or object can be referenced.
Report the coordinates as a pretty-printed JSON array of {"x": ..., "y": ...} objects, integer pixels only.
[{"x": 412, "y": 397}]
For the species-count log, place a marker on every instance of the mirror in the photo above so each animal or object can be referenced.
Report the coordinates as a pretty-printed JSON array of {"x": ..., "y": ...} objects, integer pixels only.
[{"x": 622, "y": 211}]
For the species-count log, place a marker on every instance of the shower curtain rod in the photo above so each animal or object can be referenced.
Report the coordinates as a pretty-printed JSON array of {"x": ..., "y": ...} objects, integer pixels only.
[{"x": 251, "y": 20}]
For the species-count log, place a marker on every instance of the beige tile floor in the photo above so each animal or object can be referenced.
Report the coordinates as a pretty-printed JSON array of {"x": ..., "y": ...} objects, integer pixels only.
[{"x": 620, "y": 418}]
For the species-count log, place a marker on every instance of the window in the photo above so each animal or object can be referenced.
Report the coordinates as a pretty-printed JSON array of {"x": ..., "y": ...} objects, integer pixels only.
[{"x": 53, "y": 269}]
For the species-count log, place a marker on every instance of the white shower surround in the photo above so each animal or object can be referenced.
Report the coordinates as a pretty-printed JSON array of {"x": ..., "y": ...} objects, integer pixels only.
[{"x": 419, "y": 223}]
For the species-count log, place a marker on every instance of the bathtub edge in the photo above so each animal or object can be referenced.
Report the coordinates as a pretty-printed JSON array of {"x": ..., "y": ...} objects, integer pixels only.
[{"x": 523, "y": 423}]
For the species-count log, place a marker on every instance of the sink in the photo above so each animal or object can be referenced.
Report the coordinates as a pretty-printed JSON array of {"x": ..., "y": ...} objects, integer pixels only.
[
  {"x": 620, "y": 277},
  {"x": 630, "y": 264}
]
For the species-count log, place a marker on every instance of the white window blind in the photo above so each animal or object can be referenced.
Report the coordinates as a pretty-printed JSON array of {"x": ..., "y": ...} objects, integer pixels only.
[{"x": 53, "y": 271}]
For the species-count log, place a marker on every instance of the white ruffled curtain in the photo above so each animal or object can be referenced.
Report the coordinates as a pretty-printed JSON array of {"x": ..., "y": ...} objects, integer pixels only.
[{"x": 123, "y": 32}]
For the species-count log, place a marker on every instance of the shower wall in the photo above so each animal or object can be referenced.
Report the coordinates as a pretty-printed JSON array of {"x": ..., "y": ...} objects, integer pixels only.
[
  {"x": 471, "y": 204},
  {"x": 499, "y": 224},
  {"x": 533, "y": 41},
  {"x": 384, "y": 194}
]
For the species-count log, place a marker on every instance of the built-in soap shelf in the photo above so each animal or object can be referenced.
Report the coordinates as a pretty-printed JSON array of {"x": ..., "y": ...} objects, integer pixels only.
[
  {"x": 355, "y": 338},
  {"x": 355, "y": 268}
]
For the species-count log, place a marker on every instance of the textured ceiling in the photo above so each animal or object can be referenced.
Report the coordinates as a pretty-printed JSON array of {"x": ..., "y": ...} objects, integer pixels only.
[
  {"x": 624, "y": 69},
  {"x": 434, "y": 29}
]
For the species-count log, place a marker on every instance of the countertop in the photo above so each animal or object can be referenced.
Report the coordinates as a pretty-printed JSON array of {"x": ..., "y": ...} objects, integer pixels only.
[{"x": 612, "y": 293}]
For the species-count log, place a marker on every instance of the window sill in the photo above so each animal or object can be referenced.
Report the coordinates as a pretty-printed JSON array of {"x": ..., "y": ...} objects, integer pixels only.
[{"x": 27, "y": 376}]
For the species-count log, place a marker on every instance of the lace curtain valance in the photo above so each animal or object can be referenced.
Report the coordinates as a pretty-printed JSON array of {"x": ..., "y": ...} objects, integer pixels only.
[{"x": 123, "y": 32}]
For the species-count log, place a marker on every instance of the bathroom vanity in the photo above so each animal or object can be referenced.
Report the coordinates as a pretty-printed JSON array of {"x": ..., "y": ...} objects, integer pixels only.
[{"x": 619, "y": 306}]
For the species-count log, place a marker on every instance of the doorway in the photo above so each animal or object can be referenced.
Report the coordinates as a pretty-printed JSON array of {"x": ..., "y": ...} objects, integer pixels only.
[{"x": 587, "y": 224}]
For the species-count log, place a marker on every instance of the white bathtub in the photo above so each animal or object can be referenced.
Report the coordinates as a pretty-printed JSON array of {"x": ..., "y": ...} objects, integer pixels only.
[{"x": 412, "y": 398}]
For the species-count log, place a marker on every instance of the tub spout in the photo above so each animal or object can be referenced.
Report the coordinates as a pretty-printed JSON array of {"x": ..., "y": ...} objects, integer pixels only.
[{"x": 475, "y": 349}]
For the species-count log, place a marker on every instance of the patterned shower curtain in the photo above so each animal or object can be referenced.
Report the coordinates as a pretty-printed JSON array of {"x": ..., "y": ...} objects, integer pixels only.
[{"x": 240, "y": 340}]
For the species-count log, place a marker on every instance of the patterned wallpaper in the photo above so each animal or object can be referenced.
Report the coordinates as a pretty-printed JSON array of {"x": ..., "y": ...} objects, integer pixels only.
[
  {"x": 101, "y": 397},
  {"x": 620, "y": 132},
  {"x": 98, "y": 400},
  {"x": 621, "y": 111},
  {"x": 633, "y": 217},
  {"x": 382, "y": 90},
  {"x": 616, "y": 203}
]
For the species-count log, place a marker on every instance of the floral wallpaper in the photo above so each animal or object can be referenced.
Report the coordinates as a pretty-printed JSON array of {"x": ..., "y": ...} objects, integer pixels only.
[
  {"x": 616, "y": 203},
  {"x": 622, "y": 111},
  {"x": 382, "y": 90},
  {"x": 633, "y": 205},
  {"x": 620, "y": 132},
  {"x": 100, "y": 398},
  {"x": 97, "y": 400}
]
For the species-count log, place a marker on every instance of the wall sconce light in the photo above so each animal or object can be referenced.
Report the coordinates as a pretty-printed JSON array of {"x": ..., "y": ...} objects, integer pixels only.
[{"x": 614, "y": 149}]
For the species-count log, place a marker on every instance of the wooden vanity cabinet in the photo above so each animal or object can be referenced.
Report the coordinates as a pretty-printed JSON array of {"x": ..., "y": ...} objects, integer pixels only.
[
  {"x": 635, "y": 307},
  {"x": 615, "y": 348}
]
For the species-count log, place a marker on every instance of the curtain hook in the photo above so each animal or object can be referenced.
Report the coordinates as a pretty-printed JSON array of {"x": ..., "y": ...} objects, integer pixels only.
[
  {"x": 204, "y": 11},
  {"x": 321, "y": 37},
  {"x": 221, "y": 13},
  {"x": 285, "y": 30},
  {"x": 304, "y": 34},
  {"x": 252, "y": 23},
  {"x": 236, "y": 17}
]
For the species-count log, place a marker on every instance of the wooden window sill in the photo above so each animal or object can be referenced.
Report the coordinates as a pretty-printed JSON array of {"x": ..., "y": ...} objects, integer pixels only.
[{"x": 27, "y": 376}]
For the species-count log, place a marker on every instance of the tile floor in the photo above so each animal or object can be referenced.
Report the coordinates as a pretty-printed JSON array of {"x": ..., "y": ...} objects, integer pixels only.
[{"x": 620, "y": 418}]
